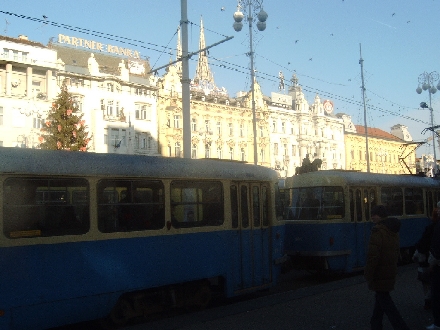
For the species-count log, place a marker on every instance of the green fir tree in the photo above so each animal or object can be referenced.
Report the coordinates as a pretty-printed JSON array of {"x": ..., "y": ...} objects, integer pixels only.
[{"x": 64, "y": 128}]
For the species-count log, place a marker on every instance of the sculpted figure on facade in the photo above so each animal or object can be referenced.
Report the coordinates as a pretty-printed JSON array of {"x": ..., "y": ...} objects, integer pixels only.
[
  {"x": 93, "y": 66},
  {"x": 123, "y": 71}
]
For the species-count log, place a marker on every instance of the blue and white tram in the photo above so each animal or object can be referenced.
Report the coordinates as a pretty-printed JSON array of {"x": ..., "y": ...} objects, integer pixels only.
[
  {"x": 327, "y": 214},
  {"x": 85, "y": 236}
]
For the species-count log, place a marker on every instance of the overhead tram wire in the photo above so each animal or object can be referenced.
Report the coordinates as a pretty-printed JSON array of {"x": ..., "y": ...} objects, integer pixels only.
[
  {"x": 89, "y": 32},
  {"x": 233, "y": 67}
]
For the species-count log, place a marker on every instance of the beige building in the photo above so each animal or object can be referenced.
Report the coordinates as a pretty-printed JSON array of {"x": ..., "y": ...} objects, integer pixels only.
[{"x": 388, "y": 153}]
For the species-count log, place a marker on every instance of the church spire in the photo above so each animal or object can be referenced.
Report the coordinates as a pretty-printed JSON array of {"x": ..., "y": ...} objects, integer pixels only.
[
  {"x": 179, "y": 52},
  {"x": 203, "y": 73}
]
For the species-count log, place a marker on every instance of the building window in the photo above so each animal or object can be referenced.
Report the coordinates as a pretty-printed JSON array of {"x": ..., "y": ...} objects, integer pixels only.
[
  {"x": 142, "y": 112},
  {"x": 231, "y": 153},
  {"x": 1, "y": 116},
  {"x": 262, "y": 155},
  {"x": 194, "y": 151},
  {"x": 105, "y": 135},
  {"x": 177, "y": 149},
  {"x": 207, "y": 126},
  {"x": 219, "y": 153},
  {"x": 231, "y": 129},
  {"x": 176, "y": 121},
  {"x": 243, "y": 155},
  {"x": 207, "y": 151},
  {"x": 110, "y": 87},
  {"x": 219, "y": 128},
  {"x": 261, "y": 131},
  {"x": 283, "y": 127},
  {"x": 110, "y": 108},
  {"x": 293, "y": 150},
  {"x": 193, "y": 125},
  {"x": 114, "y": 136},
  {"x": 37, "y": 123},
  {"x": 274, "y": 126},
  {"x": 352, "y": 154},
  {"x": 285, "y": 149},
  {"x": 275, "y": 149}
]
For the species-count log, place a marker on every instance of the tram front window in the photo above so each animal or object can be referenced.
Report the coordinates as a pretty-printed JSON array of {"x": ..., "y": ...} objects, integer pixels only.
[{"x": 317, "y": 203}]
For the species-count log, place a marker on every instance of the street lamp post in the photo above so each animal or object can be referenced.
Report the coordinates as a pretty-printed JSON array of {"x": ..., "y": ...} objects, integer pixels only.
[
  {"x": 427, "y": 81},
  {"x": 261, "y": 25}
]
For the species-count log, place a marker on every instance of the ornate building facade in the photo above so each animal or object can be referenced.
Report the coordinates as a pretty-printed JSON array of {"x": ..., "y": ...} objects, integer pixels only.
[
  {"x": 116, "y": 95},
  {"x": 27, "y": 87},
  {"x": 300, "y": 130},
  {"x": 221, "y": 127}
]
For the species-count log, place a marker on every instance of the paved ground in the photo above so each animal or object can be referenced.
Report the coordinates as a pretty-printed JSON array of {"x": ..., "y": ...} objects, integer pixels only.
[{"x": 341, "y": 305}]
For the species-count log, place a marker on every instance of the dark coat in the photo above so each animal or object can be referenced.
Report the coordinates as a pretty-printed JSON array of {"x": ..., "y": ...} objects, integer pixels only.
[
  {"x": 383, "y": 254},
  {"x": 435, "y": 242}
]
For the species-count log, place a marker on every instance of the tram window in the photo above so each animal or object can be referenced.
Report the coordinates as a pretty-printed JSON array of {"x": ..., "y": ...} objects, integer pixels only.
[
  {"x": 414, "y": 201},
  {"x": 280, "y": 201},
  {"x": 318, "y": 203},
  {"x": 196, "y": 203},
  {"x": 366, "y": 205},
  {"x": 256, "y": 206},
  {"x": 392, "y": 198},
  {"x": 130, "y": 205},
  {"x": 358, "y": 205},
  {"x": 351, "y": 205},
  {"x": 333, "y": 203},
  {"x": 429, "y": 202},
  {"x": 265, "y": 204},
  {"x": 234, "y": 206},
  {"x": 244, "y": 207},
  {"x": 45, "y": 207},
  {"x": 372, "y": 201}
]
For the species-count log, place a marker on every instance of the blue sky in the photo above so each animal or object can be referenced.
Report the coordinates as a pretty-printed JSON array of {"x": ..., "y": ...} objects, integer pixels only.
[{"x": 319, "y": 40}]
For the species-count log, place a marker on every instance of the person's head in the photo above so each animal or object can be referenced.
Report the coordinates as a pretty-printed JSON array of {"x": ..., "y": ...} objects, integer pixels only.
[{"x": 378, "y": 213}]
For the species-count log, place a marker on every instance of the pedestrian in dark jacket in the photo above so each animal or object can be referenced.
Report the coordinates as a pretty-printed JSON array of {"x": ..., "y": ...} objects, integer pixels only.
[
  {"x": 381, "y": 268},
  {"x": 421, "y": 256},
  {"x": 434, "y": 265}
]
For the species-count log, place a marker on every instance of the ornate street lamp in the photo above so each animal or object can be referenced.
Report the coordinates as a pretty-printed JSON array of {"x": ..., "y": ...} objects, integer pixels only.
[
  {"x": 261, "y": 25},
  {"x": 427, "y": 81}
]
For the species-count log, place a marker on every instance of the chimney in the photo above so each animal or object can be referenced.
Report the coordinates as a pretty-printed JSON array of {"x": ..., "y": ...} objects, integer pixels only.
[{"x": 22, "y": 37}]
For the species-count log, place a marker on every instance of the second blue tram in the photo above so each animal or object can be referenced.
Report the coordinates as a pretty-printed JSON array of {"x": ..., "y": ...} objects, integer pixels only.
[
  {"x": 327, "y": 214},
  {"x": 88, "y": 236}
]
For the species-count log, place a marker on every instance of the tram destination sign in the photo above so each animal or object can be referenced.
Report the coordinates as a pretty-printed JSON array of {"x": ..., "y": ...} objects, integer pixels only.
[{"x": 99, "y": 46}]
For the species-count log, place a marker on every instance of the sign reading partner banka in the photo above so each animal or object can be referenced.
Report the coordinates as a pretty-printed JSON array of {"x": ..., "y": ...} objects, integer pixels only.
[{"x": 93, "y": 45}]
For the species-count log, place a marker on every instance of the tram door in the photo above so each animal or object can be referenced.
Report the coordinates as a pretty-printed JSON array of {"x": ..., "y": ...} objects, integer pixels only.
[
  {"x": 364, "y": 199},
  {"x": 250, "y": 209}
]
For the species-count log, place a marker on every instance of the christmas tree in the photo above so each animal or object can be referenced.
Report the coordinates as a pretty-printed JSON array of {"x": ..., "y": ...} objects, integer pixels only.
[{"x": 64, "y": 128}]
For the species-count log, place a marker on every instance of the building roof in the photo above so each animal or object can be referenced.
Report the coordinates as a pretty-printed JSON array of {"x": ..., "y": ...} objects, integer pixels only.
[
  {"x": 76, "y": 57},
  {"x": 376, "y": 132},
  {"x": 23, "y": 40}
]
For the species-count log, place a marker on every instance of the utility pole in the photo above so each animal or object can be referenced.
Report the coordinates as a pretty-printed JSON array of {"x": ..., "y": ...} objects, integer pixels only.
[
  {"x": 367, "y": 153},
  {"x": 186, "y": 111}
]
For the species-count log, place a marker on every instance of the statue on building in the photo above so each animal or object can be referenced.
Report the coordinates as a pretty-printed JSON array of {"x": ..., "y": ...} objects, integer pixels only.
[
  {"x": 93, "y": 66},
  {"x": 123, "y": 71},
  {"x": 281, "y": 84},
  {"x": 308, "y": 166}
]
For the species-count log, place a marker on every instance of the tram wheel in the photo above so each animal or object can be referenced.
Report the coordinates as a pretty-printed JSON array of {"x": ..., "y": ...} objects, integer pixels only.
[
  {"x": 202, "y": 297},
  {"x": 121, "y": 313}
]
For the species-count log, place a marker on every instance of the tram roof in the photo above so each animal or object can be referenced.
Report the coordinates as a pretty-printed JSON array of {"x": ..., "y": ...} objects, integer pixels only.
[
  {"x": 44, "y": 162},
  {"x": 338, "y": 177}
]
